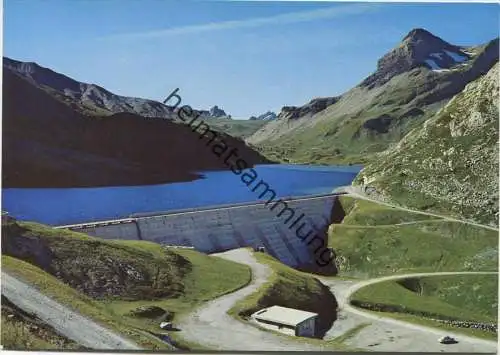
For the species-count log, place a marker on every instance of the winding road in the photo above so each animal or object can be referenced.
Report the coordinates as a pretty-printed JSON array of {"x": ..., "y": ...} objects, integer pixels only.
[
  {"x": 387, "y": 334},
  {"x": 211, "y": 326},
  {"x": 65, "y": 321}
]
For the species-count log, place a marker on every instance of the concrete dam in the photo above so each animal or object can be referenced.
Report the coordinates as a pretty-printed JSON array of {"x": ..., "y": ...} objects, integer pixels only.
[{"x": 216, "y": 229}]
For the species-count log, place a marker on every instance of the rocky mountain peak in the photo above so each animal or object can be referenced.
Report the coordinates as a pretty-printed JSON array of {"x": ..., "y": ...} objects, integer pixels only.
[
  {"x": 418, "y": 48},
  {"x": 268, "y": 116},
  {"x": 420, "y": 34},
  {"x": 215, "y": 111}
]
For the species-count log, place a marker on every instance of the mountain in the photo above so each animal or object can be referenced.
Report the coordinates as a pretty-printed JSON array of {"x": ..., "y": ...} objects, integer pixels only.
[
  {"x": 411, "y": 83},
  {"x": 214, "y": 112},
  {"x": 268, "y": 116},
  {"x": 419, "y": 47},
  {"x": 49, "y": 143},
  {"x": 88, "y": 98},
  {"x": 451, "y": 162}
]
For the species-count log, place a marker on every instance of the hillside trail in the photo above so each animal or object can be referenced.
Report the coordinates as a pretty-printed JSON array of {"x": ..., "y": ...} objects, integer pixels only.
[{"x": 356, "y": 192}]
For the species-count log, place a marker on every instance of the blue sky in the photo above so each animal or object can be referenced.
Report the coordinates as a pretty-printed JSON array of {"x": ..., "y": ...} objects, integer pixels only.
[{"x": 246, "y": 57}]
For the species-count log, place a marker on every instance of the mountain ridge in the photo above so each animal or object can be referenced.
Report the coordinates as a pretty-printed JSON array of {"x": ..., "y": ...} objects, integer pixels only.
[
  {"x": 47, "y": 143},
  {"x": 89, "y": 95},
  {"x": 375, "y": 113}
]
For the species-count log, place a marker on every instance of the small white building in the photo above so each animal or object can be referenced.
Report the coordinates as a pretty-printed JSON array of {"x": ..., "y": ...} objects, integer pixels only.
[{"x": 287, "y": 320}]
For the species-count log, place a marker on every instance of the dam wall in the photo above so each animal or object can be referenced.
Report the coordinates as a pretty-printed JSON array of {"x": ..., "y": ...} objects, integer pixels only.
[{"x": 222, "y": 228}]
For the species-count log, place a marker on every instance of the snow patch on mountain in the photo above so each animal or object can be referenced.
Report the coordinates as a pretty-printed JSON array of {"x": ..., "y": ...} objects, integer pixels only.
[
  {"x": 432, "y": 64},
  {"x": 456, "y": 57}
]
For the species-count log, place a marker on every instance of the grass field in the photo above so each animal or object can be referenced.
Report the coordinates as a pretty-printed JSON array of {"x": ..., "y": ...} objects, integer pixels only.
[
  {"x": 462, "y": 297},
  {"x": 235, "y": 128},
  {"x": 375, "y": 240},
  {"x": 371, "y": 246},
  {"x": 136, "y": 273}
]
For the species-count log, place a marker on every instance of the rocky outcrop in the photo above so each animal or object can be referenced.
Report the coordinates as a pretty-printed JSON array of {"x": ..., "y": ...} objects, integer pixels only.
[
  {"x": 215, "y": 111},
  {"x": 379, "y": 124},
  {"x": 94, "y": 267},
  {"x": 268, "y": 116},
  {"x": 309, "y": 109}
]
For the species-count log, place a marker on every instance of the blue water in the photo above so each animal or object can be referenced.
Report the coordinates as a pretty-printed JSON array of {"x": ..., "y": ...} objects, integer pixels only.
[{"x": 76, "y": 205}]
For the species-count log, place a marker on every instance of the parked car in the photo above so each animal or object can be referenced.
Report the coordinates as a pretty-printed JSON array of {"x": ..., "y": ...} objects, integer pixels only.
[
  {"x": 447, "y": 340},
  {"x": 166, "y": 325}
]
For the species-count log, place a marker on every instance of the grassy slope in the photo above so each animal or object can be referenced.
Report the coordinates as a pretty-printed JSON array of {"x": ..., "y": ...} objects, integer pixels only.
[
  {"x": 387, "y": 249},
  {"x": 196, "y": 279},
  {"x": 235, "y": 128},
  {"x": 464, "y": 297},
  {"x": 338, "y": 136},
  {"x": 374, "y": 248}
]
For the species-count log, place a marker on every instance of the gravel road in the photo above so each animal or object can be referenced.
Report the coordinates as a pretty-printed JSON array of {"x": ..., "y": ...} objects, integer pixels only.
[
  {"x": 213, "y": 327},
  {"x": 387, "y": 334},
  {"x": 66, "y": 322}
]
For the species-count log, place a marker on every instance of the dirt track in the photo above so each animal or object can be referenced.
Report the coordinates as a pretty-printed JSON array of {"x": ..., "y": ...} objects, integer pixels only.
[{"x": 66, "y": 322}]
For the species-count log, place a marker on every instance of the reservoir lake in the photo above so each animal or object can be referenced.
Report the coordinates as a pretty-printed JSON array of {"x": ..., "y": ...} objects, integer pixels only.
[{"x": 60, "y": 206}]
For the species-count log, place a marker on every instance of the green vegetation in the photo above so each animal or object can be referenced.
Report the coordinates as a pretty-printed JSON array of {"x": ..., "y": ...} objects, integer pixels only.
[
  {"x": 353, "y": 130},
  {"x": 235, "y": 128},
  {"x": 109, "y": 279},
  {"x": 210, "y": 278},
  {"x": 288, "y": 287},
  {"x": 366, "y": 213},
  {"x": 461, "y": 297},
  {"x": 372, "y": 241},
  {"x": 424, "y": 246}
]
